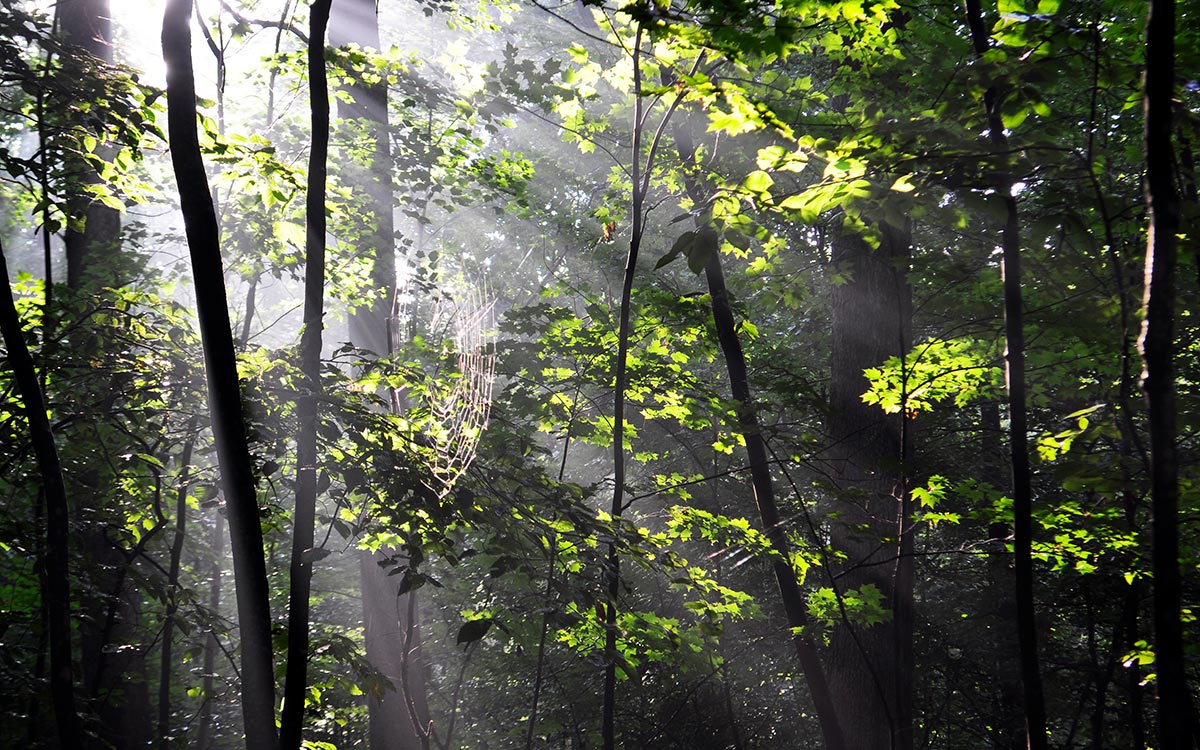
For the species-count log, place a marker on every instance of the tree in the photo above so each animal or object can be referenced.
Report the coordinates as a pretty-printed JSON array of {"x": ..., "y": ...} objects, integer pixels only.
[
  {"x": 1176, "y": 721},
  {"x": 392, "y": 638},
  {"x": 810, "y": 451},
  {"x": 1031, "y": 678},
  {"x": 57, "y": 591},
  {"x": 233, "y": 454},
  {"x": 87, "y": 25},
  {"x": 304, "y": 519}
]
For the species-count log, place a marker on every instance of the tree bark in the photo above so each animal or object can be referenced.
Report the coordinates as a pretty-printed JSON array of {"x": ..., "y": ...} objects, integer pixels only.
[
  {"x": 225, "y": 405},
  {"x": 57, "y": 573},
  {"x": 304, "y": 520},
  {"x": 385, "y": 611},
  {"x": 1022, "y": 474},
  {"x": 871, "y": 320},
  {"x": 1175, "y": 721},
  {"x": 87, "y": 25},
  {"x": 764, "y": 495}
]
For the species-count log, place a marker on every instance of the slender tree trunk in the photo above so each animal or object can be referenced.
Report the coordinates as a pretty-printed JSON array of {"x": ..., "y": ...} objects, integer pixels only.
[
  {"x": 211, "y": 646},
  {"x": 612, "y": 571},
  {"x": 1158, "y": 378},
  {"x": 58, "y": 584},
  {"x": 764, "y": 494},
  {"x": 761, "y": 482},
  {"x": 1010, "y": 241},
  {"x": 296, "y": 687},
  {"x": 1008, "y": 726},
  {"x": 233, "y": 452},
  {"x": 168, "y": 630}
]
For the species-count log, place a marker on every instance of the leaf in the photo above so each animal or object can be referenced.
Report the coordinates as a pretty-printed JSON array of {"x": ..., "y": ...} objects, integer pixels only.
[
  {"x": 701, "y": 253},
  {"x": 670, "y": 256},
  {"x": 473, "y": 630},
  {"x": 313, "y": 554},
  {"x": 758, "y": 181}
]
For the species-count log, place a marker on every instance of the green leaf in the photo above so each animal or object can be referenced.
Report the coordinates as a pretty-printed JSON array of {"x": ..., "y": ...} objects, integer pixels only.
[
  {"x": 473, "y": 630},
  {"x": 758, "y": 181}
]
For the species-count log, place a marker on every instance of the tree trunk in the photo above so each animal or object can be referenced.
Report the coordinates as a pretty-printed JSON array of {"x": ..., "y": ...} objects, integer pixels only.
[
  {"x": 87, "y": 25},
  {"x": 761, "y": 483},
  {"x": 764, "y": 494},
  {"x": 1175, "y": 721},
  {"x": 211, "y": 646},
  {"x": 114, "y": 672},
  {"x": 612, "y": 568},
  {"x": 1018, "y": 431},
  {"x": 166, "y": 661},
  {"x": 57, "y": 574},
  {"x": 308, "y": 413},
  {"x": 868, "y": 677},
  {"x": 385, "y": 611},
  {"x": 225, "y": 405},
  {"x": 1008, "y": 726}
]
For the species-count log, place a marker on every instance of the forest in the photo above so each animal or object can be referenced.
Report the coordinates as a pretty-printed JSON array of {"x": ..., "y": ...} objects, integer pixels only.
[{"x": 565, "y": 374}]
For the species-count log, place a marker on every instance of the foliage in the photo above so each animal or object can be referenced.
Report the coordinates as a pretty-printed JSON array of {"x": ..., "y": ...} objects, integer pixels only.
[{"x": 511, "y": 176}]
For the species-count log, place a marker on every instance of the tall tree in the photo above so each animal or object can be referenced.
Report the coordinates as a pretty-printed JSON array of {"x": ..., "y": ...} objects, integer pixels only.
[
  {"x": 114, "y": 671},
  {"x": 307, "y": 407},
  {"x": 57, "y": 588},
  {"x": 871, "y": 319},
  {"x": 224, "y": 394},
  {"x": 705, "y": 243},
  {"x": 1018, "y": 432},
  {"x": 87, "y": 25},
  {"x": 399, "y": 719},
  {"x": 612, "y": 570},
  {"x": 1175, "y": 719}
]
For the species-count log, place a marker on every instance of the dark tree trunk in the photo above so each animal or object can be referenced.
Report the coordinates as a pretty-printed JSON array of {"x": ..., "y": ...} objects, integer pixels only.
[
  {"x": 296, "y": 686},
  {"x": 1175, "y": 721},
  {"x": 166, "y": 661},
  {"x": 764, "y": 493},
  {"x": 57, "y": 574},
  {"x": 204, "y": 733},
  {"x": 225, "y": 405},
  {"x": 1008, "y": 725},
  {"x": 1018, "y": 432},
  {"x": 113, "y": 671},
  {"x": 871, "y": 317},
  {"x": 761, "y": 483},
  {"x": 612, "y": 570},
  {"x": 385, "y": 611}
]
